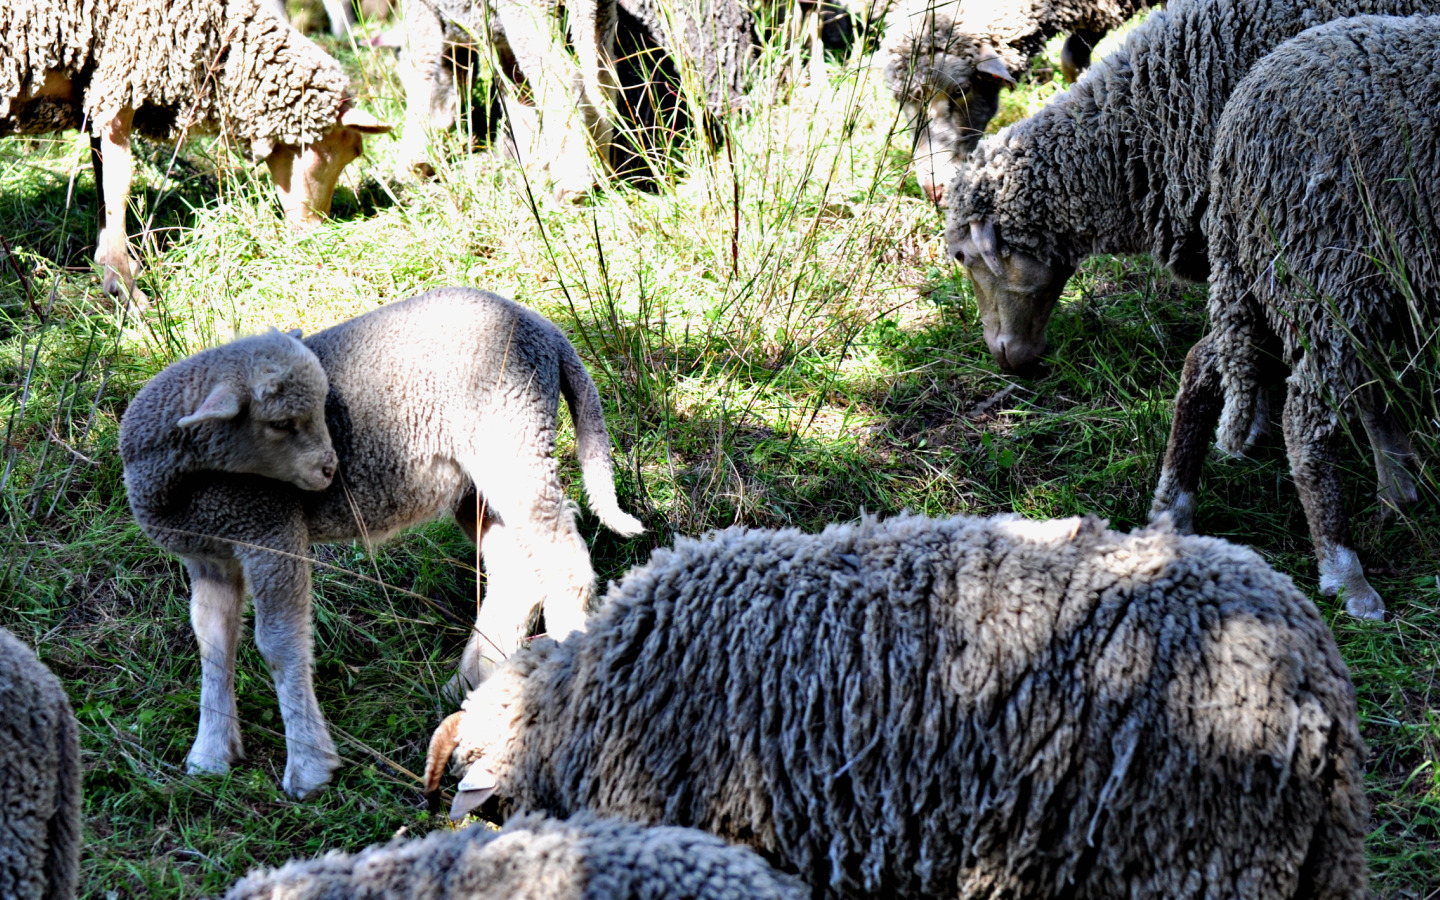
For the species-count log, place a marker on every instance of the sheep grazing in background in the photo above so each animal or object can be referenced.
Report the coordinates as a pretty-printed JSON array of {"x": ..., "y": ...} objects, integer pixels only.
[
  {"x": 1324, "y": 210},
  {"x": 939, "y": 708},
  {"x": 533, "y": 858},
  {"x": 240, "y": 457},
  {"x": 164, "y": 71},
  {"x": 39, "y": 780},
  {"x": 946, "y": 61},
  {"x": 1119, "y": 163}
]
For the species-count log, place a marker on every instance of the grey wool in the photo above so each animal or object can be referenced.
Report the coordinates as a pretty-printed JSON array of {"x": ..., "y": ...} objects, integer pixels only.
[
  {"x": 963, "y": 707},
  {"x": 165, "y": 70},
  {"x": 945, "y": 62},
  {"x": 240, "y": 457},
  {"x": 39, "y": 779},
  {"x": 533, "y": 858},
  {"x": 1324, "y": 211},
  {"x": 1119, "y": 163}
]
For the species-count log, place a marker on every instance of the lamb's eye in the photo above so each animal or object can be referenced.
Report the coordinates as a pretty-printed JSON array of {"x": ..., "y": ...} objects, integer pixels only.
[{"x": 282, "y": 426}]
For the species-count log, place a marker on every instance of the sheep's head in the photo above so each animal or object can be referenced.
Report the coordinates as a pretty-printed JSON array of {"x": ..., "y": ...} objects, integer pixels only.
[
  {"x": 269, "y": 419},
  {"x": 305, "y": 176},
  {"x": 1015, "y": 292},
  {"x": 949, "y": 94},
  {"x": 480, "y": 739}
]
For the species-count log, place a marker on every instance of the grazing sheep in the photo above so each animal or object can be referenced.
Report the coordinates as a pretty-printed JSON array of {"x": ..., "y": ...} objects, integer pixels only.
[
  {"x": 572, "y": 95},
  {"x": 1324, "y": 209},
  {"x": 240, "y": 457},
  {"x": 534, "y": 858},
  {"x": 39, "y": 780},
  {"x": 168, "y": 70},
  {"x": 939, "y": 708},
  {"x": 946, "y": 60},
  {"x": 1119, "y": 163}
]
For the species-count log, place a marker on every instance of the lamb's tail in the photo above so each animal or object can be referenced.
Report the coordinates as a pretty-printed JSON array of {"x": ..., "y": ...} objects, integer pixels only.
[{"x": 592, "y": 443}]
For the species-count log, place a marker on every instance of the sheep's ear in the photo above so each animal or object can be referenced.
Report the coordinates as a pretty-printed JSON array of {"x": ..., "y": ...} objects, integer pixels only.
[
  {"x": 991, "y": 64},
  {"x": 222, "y": 403},
  {"x": 362, "y": 121},
  {"x": 442, "y": 744},
  {"x": 988, "y": 243},
  {"x": 475, "y": 788}
]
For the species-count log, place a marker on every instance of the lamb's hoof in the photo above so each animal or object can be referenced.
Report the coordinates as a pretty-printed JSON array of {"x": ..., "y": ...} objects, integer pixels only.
[
  {"x": 1395, "y": 494},
  {"x": 206, "y": 764},
  {"x": 1180, "y": 512},
  {"x": 1365, "y": 605},
  {"x": 304, "y": 776}
]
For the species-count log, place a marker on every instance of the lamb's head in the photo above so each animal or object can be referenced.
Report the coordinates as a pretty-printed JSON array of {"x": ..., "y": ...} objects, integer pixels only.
[
  {"x": 948, "y": 85},
  {"x": 266, "y": 415},
  {"x": 482, "y": 738},
  {"x": 305, "y": 175}
]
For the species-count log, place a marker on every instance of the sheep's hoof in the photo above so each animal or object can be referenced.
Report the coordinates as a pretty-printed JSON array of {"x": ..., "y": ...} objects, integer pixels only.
[
  {"x": 1365, "y": 605},
  {"x": 304, "y": 776}
]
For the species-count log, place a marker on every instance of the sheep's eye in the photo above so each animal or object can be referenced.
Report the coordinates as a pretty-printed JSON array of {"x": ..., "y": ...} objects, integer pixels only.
[{"x": 283, "y": 426}]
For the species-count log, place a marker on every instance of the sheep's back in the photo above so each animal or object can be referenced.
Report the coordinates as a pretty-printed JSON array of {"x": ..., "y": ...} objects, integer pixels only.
[
  {"x": 908, "y": 707},
  {"x": 1326, "y": 184}
]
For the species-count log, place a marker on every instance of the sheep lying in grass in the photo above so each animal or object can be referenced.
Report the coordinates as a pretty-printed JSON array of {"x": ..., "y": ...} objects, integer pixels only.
[
  {"x": 946, "y": 61},
  {"x": 168, "y": 70},
  {"x": 939, "y": 708},
  {"x": 229, "y": 462},
  {"x": 1324, "y": 209},
  {"x": 39, "y": 780},
  {"x": 1117, "y": 164},
  {"x": 533, "y": 858}
]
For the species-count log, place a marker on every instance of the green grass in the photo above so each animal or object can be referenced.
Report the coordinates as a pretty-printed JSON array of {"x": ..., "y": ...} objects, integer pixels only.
[{"x": 779, "y": 340}]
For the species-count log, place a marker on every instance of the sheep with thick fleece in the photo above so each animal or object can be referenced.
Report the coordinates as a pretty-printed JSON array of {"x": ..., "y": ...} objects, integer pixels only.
[
  {"x": 165, "y": 70},
  {"x": 39, "y": 780},
  {"x": 946, "y": 61},
  {"x": 1324, "y": 209},
  {"x": 240, "y": 457},
  {"x": 1119, "y": 163},
  {"x": 960, "y": 707},
  {"x": 534, "y": 858}
]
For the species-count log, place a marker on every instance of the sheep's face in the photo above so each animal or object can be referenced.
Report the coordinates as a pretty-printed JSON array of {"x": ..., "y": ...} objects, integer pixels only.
[
  {"x": 479, "y": 740},
  {"x": 271, "y": 421},
  {"x": 946, "y": 128},
  {"x": 305, "y": 176},
  {"x": 1015, "y": 292}
]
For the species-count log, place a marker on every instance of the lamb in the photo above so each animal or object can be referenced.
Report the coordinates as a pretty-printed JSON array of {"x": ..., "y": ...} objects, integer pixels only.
[
  {"x": 534, "y": 858},
  {"x": 240, "y": 457},
  {"x": 1323, "y": 210},
  {"x": 165, "y": 71},
  {"x": 946, "y": 61},
  {"x": 39, "y": 779},
  {"x": 1118, "y": 164},
  {"x": 959, "y": 707}
]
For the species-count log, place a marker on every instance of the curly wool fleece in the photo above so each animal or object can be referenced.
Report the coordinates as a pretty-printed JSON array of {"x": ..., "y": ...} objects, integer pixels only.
[{"x": 961, "y": 707}]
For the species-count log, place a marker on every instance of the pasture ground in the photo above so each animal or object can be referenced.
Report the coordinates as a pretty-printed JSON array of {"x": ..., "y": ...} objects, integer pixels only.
[{"x": 779, "y": 339}]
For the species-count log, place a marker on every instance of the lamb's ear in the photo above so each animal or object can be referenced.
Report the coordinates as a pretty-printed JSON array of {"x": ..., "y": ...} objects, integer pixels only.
[
  {"x": 475, "y": 788},
  {"x": 988, "y": 243},
  {"x": 295, "y": 333},
  {"x": 991, "y": 64},
  {"x": 222, "y": 403}
]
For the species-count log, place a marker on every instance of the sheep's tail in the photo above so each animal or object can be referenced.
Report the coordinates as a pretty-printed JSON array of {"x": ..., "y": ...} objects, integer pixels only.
[{"x": 592, "y": 443}]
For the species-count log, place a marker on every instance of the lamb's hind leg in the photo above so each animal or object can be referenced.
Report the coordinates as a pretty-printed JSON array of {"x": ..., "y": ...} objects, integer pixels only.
[
  {"x": 217, "y": 595},
  {"x": 281, "y": 587},
  {"x": 1394, "y": 456},
  {"x": 1312, "y": 442},
  {"x": 1197, "y": 409}
]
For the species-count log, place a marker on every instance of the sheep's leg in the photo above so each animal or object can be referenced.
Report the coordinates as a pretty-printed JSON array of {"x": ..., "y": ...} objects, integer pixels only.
[
  {"x": 341, "y": 15},
  {"x": 281, "y": 587},
  {"x": 1075, "y": 52},
  {"x": 113, "y": 176},
  {"x": 217, "y": 596},
  {"x": 1197, "y": 409},
  {"x": 1394, "y": 455},
  {"x": 1312, "y": 442},
  {"x": 429, "y": 82}
]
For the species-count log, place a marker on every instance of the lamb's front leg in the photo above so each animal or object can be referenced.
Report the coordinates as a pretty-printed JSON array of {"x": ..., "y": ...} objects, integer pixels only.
[
  {"x": 113, "y": 174},
  {"x": 217, "y": 595},
  {"x": 281, "y": 588}
]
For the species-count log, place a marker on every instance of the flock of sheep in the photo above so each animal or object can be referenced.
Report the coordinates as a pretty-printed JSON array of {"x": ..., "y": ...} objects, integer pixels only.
[{"x": 911, "y": 707}]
